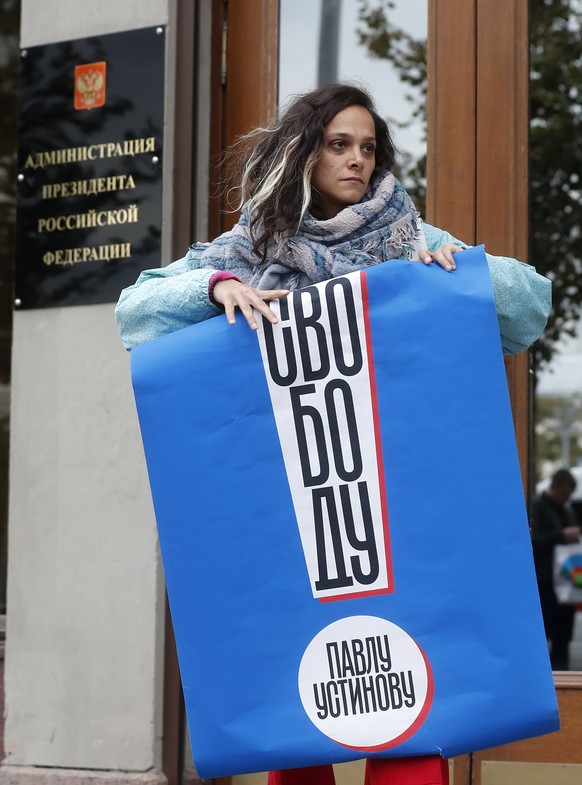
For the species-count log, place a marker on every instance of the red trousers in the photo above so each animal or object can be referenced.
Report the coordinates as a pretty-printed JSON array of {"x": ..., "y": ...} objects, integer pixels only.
[{"x": 429, "y": 770}]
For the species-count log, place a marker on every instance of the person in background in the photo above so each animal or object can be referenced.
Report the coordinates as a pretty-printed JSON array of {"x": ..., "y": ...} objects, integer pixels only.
[
  {"x": 319, "y": 200},
  {"x": 554, "y": 523}
]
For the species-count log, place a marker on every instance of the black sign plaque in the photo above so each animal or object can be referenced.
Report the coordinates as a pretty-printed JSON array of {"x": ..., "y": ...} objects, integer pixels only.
[{"x": 89, "y": 206}]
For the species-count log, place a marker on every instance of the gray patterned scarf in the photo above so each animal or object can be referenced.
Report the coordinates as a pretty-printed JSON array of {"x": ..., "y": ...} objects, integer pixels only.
[{"x": 384, "y": 225}]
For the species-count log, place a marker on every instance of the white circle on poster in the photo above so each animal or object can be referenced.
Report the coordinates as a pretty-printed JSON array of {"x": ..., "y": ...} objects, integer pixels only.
[{"x": 365, "y": 683}]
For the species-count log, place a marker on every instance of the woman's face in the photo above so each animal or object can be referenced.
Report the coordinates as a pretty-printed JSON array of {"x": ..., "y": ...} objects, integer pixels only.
[{"x": 346, "y": 161}]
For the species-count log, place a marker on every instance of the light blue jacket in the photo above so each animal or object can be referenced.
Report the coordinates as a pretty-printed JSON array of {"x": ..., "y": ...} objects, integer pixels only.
[{"x": 169, "y": 298}]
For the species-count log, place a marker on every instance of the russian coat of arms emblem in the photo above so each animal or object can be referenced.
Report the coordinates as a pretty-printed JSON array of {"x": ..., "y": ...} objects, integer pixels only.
[{"x": 90, "y": 85}]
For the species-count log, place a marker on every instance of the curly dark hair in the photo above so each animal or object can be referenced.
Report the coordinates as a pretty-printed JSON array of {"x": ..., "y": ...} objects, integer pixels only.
[{"x": 273, "y": 166}]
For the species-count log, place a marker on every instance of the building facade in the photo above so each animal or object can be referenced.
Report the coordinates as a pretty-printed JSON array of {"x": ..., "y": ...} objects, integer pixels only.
[{"x": 91, "y": 685}]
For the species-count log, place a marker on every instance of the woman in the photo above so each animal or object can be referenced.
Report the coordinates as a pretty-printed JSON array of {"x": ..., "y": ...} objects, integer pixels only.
[{"x": 318, "y": 200}]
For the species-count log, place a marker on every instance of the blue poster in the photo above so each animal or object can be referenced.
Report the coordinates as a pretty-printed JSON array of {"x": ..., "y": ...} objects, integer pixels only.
[{"x": 342, "y": 524}]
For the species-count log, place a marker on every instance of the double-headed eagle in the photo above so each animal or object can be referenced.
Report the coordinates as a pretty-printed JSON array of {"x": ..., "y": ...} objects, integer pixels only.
[{"x": 89, "y": 86}]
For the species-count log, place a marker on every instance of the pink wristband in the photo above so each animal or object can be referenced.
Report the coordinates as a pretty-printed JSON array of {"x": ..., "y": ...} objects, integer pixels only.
[{"x": 221, "y": 275}]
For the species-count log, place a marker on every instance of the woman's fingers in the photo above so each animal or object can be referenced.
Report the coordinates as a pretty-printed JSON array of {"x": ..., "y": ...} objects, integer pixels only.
[
  {"x": 256, "y": 300},
  {"x": 442, "y": 256},
  {"x": 233, "y": 294}
]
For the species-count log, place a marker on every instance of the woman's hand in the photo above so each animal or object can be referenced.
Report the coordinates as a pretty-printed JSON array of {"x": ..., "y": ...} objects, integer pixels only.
[
  {"x": 442, "y": 256},
  {"x": 234, "y": 294}
]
